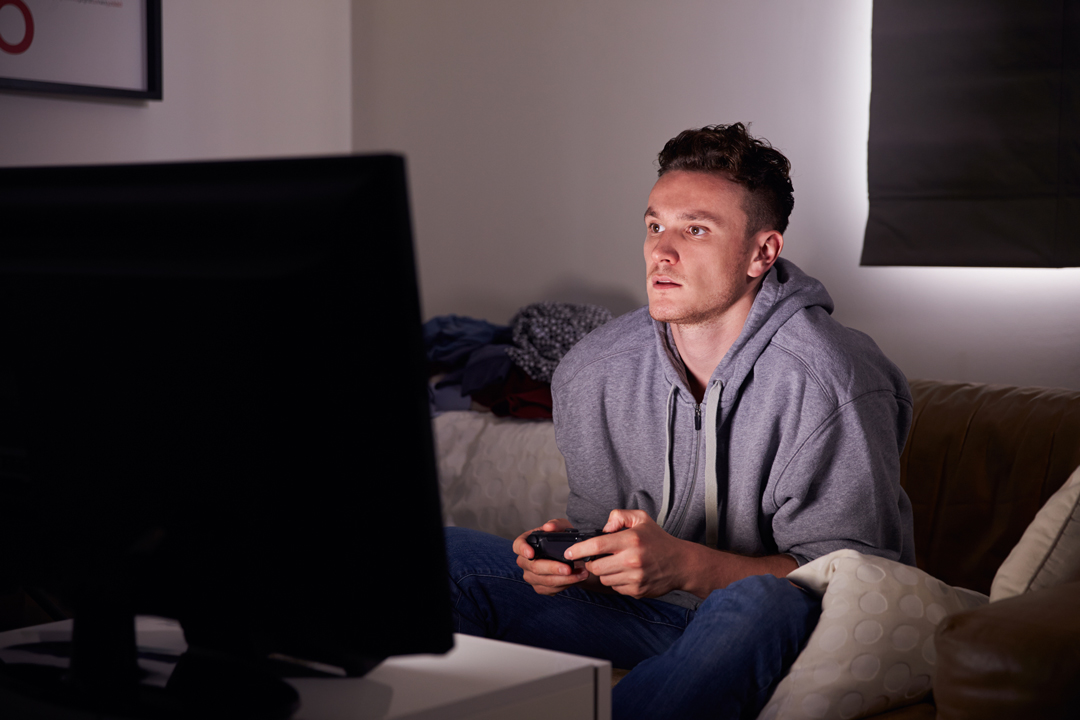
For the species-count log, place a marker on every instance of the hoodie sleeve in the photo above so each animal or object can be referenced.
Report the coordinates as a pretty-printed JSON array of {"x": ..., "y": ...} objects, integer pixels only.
[
  {"x": 593, "y": 488},
  {"x": 841, "y": 489}
]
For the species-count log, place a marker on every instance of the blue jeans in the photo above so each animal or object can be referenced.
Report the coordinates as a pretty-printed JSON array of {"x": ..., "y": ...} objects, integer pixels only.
[{"x": 721, "y": 661}]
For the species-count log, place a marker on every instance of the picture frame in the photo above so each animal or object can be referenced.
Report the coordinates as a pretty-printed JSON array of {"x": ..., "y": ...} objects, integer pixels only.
[{"x": 105, "y": 48}]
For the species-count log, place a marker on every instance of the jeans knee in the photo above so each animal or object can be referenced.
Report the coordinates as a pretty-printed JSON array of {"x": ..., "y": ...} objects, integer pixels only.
[
  {"x": 459, "y": 542},
  {"x": 471, "y": 551},
  {"x": 766, "y": 599}
]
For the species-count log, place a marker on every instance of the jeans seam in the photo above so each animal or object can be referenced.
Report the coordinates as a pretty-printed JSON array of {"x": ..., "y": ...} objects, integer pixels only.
[
  {"x": 461, "y": 595},
  {"x": 561, "y": 596}
]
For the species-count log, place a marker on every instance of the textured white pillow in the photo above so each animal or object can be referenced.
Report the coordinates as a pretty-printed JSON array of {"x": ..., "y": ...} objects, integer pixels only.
[
  {"x": 873, "y": 647},
  {"x": 1048, "y": 553}
]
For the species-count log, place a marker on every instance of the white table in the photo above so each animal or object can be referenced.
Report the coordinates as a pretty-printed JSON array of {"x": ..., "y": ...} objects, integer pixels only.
[{"x": 479, "y": 679}]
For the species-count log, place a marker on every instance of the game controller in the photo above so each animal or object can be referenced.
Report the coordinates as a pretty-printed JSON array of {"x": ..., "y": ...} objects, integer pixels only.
[{"x": 552, "y": 545}]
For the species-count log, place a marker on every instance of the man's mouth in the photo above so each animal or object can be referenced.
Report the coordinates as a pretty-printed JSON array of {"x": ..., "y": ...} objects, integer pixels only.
[{"x": 663, "y": 281}]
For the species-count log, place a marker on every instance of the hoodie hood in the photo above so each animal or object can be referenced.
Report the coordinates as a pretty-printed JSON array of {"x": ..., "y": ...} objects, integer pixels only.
[{"x": 785, "y": 291}]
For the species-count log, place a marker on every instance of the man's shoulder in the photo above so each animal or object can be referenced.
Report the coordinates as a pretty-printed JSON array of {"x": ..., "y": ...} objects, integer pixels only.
[
  {"x": 845, "y": 362},
  {"x": 617, "y": 341}
]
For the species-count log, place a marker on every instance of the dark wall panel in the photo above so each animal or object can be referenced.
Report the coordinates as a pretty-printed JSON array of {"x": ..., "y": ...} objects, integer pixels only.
[{"x": 974, "y": 147}]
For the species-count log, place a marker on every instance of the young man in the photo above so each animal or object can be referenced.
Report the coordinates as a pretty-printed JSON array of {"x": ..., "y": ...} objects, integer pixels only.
[{"x": 730, "y": 431}]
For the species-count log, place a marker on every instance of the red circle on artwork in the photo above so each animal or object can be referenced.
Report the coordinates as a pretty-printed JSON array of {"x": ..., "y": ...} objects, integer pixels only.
[{"x": 28, "y": 36}]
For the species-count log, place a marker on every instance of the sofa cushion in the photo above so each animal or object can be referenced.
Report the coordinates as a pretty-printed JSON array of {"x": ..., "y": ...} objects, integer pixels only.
[
  {"x": 1048, "y": 554},
  {"x": 873, "y": 648}
]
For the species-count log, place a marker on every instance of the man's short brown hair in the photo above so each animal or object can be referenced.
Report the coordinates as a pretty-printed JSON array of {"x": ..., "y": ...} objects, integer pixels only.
[{"x": 730, "y": 152}]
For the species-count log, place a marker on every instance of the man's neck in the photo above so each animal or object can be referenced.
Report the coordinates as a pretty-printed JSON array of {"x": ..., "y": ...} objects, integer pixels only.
[{"x": 703, "y": 345}]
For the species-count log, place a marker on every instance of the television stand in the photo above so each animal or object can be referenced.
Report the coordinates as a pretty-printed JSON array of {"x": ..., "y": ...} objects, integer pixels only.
[{"x": 479, "y": 678}]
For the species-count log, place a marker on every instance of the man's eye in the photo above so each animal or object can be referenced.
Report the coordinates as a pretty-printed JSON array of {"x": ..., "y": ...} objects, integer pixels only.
[
  {"x": 653, "y": 227},
  {"x": 696, "y": 230}
]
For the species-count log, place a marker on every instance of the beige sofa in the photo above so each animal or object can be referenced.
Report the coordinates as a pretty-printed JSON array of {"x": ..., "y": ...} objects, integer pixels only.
[{"x": 980, "y": 462}]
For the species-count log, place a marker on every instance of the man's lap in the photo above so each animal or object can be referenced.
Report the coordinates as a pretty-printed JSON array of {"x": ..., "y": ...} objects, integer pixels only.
[
  {"x": 492, "y": 599},
  {"x": 721, "y": 661},
  {"x": 726, "y": 664}
]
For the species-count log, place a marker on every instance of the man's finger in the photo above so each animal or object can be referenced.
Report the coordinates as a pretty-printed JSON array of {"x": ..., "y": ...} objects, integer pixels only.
[
  {"x": 522, "y": 547},
  {"x": 545, "y": 567},
  {"x": 628, "y": 584},
  {"x": 558, "y": 581},
  {"x": 593, "y": 546},
  {"x": 555, "y": 525},
  {"x": 619, "y": 519},
  {"x": 551, "y": 567},
  {"x": 604, "y": 566},
  {"x": 601, "y": 545}
]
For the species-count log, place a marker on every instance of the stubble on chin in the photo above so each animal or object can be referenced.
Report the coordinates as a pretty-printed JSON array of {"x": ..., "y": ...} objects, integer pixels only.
[
  {"x": 675, "y": 317},
  {"x": 687, "y": 319},
  {"x": 710, "y": 312},
  {"x": 662, "y": 316}
]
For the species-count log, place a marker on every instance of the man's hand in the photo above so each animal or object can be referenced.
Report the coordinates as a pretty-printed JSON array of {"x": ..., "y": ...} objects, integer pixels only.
[
  {"x": 645, "y": 561},
  {"x": 547, "y": 576}
]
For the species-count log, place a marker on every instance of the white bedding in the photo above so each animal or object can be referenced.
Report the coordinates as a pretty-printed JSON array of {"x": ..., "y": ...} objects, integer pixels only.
[{"x": 500, "y": 475}]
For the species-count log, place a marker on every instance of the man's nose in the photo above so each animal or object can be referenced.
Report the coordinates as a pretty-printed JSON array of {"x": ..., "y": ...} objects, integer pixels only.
[{"x": 664, "y": 249}]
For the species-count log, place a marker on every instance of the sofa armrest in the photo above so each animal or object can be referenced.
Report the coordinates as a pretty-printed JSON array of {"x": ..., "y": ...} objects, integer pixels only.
[{"x": 1015, "y": 658}]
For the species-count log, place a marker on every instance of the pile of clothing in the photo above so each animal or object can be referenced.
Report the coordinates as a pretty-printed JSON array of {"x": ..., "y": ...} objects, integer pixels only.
[{"x": 505, "y": 368}]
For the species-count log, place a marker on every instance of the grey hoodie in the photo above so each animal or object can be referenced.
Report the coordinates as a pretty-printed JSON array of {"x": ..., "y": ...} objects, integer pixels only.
[{"x": 794, "y": 449}]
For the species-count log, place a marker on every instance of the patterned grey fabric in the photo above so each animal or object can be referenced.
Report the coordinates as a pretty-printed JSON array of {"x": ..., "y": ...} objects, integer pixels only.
[{"x": 544, "y": 332}]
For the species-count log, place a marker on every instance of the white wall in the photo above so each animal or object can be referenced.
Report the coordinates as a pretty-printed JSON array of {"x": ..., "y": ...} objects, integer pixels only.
[
  {"x": 242, "y": 78},
  {"x": 531, "y": 130}
]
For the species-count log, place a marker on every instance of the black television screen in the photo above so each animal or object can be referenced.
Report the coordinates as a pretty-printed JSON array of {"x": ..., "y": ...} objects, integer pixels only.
[{"x": 213, "y": 408}]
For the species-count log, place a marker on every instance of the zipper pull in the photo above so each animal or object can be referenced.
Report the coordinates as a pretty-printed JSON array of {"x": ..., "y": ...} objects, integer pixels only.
[{"x": 697, "y": 416}]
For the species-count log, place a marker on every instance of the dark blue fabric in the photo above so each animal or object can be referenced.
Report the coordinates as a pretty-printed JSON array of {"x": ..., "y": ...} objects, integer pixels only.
[
  {"x": 450, "y": 339},
  {"x": 721, "y": 661},
  {"x": 486, "y": 366},
  {"x": 446, "y": 399}
]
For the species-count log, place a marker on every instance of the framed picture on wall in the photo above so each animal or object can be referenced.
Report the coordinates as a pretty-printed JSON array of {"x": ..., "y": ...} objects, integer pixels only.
[{"x": 109, "y": 48}]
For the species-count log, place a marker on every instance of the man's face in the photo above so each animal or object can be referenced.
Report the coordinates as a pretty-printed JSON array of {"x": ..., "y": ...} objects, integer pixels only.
[{"x": 697, "y": 255}]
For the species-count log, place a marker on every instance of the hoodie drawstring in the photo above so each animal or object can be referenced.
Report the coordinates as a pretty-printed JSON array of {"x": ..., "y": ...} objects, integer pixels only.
[
  {"x": 712, "y": 489},
  {"x": 712, "y": 484}
]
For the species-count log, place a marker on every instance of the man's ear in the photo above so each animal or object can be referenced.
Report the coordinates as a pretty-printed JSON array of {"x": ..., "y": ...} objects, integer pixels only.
[{"x": 767, "y": 245}]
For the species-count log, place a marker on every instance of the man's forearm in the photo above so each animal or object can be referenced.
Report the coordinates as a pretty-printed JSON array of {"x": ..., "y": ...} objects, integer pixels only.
[{"x": 706, "y": 569}]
